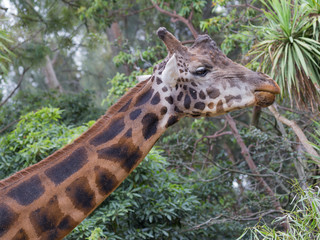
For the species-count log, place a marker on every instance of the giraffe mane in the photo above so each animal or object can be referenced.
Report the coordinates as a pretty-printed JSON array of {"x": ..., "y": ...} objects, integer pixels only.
[{"x": 102, "y": 121}]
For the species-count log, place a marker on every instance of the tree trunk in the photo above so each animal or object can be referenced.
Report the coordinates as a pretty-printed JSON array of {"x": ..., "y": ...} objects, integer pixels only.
[
  {"x": 256, "y": 116},
  {"x": 300, "y": 166},
  {"x": 51, "y": 78},
  {"x": 115, "y": 35}
]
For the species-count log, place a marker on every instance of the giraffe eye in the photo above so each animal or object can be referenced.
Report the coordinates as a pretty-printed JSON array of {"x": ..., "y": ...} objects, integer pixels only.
[{"x": 201, "y": 71}]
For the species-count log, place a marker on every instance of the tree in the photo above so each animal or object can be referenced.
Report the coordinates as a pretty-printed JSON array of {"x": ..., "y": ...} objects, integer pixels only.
[{"x": 289, "y": 51}]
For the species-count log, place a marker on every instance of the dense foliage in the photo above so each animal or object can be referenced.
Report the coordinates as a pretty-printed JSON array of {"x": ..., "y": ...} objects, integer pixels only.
[
  {"x": 304, "y": 219},
  {"x": 76, "y": 108},
  {"x": 62, "y": 63},
  {"x": 37, "y": 135}
]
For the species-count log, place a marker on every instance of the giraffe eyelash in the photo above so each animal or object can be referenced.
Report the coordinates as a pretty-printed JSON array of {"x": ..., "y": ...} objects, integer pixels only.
[{"x": 201, "y": 71}]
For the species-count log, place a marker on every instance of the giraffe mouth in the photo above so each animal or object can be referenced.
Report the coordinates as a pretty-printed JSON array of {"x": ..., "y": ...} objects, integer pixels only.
[
  {"x": 266, "y": 94},
  {"x": 264, "y": 98}
]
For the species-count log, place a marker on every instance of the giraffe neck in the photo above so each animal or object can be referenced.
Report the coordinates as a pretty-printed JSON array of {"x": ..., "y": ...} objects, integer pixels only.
[{"x": 49, "y": 199}]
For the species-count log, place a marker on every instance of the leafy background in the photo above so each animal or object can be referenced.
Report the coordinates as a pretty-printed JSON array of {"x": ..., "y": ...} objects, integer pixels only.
[{"x": 63, "y": 63}]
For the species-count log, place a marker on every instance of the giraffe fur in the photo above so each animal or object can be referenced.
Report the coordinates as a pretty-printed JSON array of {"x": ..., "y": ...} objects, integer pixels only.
[{"x": 50, "y": 198}]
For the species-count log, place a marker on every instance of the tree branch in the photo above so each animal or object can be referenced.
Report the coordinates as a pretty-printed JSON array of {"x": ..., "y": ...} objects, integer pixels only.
[
  {"x": 9, "y": 125},
  {"x": 215, "y": 135},
  {"x": 247, "y": 6},
  {"x": 27, "y": 39},
  {"x": 71, "y": 3},
  {"x": 297, "y": 130},
  {"x": 137, "y": 11},
  {"x": 3, "y": 8},
  {"x": 15, "y": 89},
  {"x": 245, "y": 153},
  {"x": 177, "y": 17},
  {"x": 218, "y": 220}
]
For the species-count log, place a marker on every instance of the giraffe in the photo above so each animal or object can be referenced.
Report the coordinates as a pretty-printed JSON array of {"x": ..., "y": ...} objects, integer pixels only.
[{"x": 50, "y": 198}]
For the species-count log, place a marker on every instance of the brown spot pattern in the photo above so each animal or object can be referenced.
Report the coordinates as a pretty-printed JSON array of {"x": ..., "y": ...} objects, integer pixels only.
[
  {"x": 126, "y": 106},
  {"x": 199, "y": 105},
  {"x": 49, "y": 221},
  {"x": 169, "y": 99},
  {"x": 172, "y": 120},
  {"x": 213, "y": 92},
  {"x": 144, "y": 98},
  {"x": 28, "y": 191},
  {"x": 81, "y": 195},
  {"x": 163, "y": 110},
  {"x": 193, "y": 93},
  {"x": 114, "y": 128},
  {"x": 68, "y": 166},
  {"x": 156, "y": 99},
  {"x": 230, "y": 99},
  {"x": 7, "y": 218},
  {"x": 21, "y": 235},
  {"x": 187, "y": 101},
  {"x": 128, "y": 134},
  {"x": 105, "y": 180},
  {"x": 176, "y": 109},
  {"x": 202, "y": 95},
  {"x": 150, "y": 125},
  {"x": 67, "y": 224},
  {"x": 124, "y": 152},
  {"x": 134, "y": 114},
  {"x": 211, "y": 105},
  {"x": 220, "y": 107},
  {"x": 159, "y": 81}
]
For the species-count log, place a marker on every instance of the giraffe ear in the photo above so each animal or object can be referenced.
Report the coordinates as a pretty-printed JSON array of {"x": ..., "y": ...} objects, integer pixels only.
[{"x": 170, "y": 73}]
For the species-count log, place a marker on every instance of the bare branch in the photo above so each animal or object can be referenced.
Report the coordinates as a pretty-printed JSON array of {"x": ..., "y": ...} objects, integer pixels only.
[
  {"x": 258, "y": 174},
  {"x": 4, "y": 9},
  {"x": 38, "y": 14},
  {"x": 219, "y": 220},
  {"x": 297, "y": 130},
  {"x": 9, "y": 125},
  {"x": 71, "y": 3},
  {"x": 247, "y": 6},
  {"x": 176, "y": 17},
  {"x": 15, "y": 89},
  {"x": 137, "y": 11},
  {"x": 215, "y": 135},
  {"x": 245, "y": 153}
]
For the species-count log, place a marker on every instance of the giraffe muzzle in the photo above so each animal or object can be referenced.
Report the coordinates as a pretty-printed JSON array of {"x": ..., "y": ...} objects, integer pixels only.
[
  {"x": 264, "y": 99},
  {"x": 265, "y": 94}
]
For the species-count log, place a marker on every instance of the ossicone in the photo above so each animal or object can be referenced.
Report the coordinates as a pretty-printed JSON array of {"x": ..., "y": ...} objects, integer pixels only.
[{"x": 172, "y": 43}]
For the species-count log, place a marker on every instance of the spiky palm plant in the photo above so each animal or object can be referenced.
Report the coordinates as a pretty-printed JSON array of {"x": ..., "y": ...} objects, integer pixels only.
[
  {"x": 314, "y": 6},
  {"x": 288, "y": 51},
  {"x": 5, "y": 53}
]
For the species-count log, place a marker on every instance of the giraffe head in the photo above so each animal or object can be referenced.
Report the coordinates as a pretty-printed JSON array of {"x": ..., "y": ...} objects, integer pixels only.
[{"x": 202, "y": 81}]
